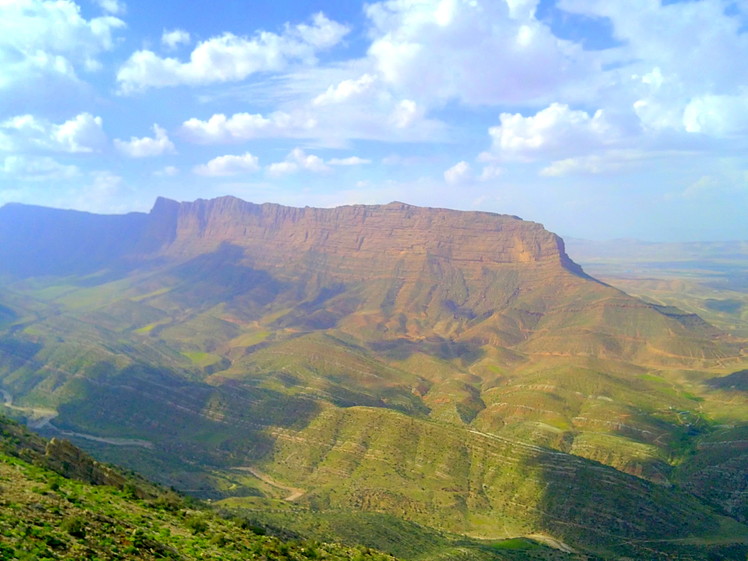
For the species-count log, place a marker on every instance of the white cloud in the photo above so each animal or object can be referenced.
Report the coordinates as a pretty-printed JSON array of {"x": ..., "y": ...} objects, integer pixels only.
[
  {"x": 490, "y": 172},
  {"x": 477, "y": 51},
  {"x": 282, "y": 168},
  {"x": 610, "y": 161},
  {"x": 553, "y": 131},
  {"x": 298, "y": 160},
  {"x": 146, "y": 147},
  {"x": 717, "y": 115},
  {"x": 30, "y": 168},
  {"x": 50, "y": 37},
  {"x": 383, "y": 118},
  {"x": 83, "y": 133},
  {"x": 231, "y": 58},
  {"x": 574, "y": 166},
  {"x": 114, "y": 7},
  {"x": 229, "y": 165},
  {"x": 172, "y": 39},
  {"x": 459, "y": 173},
  {"x": 406, "y": 113},
  {"x": 700, "y": 43},
  {"x": 245, "y": 126},
  {"x": 682, "y": 65},
  {"x": 351, "y": 161},
  {"x": 345, "y": 90}
]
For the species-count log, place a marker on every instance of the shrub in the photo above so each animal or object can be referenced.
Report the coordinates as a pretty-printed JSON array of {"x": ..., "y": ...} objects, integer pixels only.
[{"x": 75, "y": 526}]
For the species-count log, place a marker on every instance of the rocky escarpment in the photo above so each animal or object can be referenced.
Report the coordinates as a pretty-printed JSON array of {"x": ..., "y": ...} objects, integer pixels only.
[{"x": 360, "y": 232}]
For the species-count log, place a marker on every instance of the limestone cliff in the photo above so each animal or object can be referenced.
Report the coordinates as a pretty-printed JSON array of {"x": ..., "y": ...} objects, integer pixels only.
[{"x": 360, "y": 232}]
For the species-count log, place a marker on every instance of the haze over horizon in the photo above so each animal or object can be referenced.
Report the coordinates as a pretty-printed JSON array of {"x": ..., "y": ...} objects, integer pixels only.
[{"x": 599, "y": 120}]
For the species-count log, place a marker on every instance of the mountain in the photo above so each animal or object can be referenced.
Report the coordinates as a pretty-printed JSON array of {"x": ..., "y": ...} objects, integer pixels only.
[{"x": 454, "y": 369}]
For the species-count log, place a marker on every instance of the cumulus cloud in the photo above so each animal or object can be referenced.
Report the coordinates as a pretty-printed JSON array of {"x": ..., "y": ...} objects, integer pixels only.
[
  {"x": 462, "y": 173},
  {"x": 298, "y": 160},
  {"x": 479, "y": 52},
  {"x": 459, "y": 173},
  {"x": 277, "y": 169},
  {"x": 406, "y": 113},
  {"x": 345, "y": 90},
  {"x": 172, "y": 39},
  {"x": 382, "y": 118},
  {"x": 83, "y": 133},
  {"x": 229, "y": 165},
  {"x": 230, "y": 58},
  {"x": 147, "y": 147},
  {"x": 245, "y": 126},
  {"x": 688, "y": 76},
  {"x": 553, "y": 131},
  {"x": 45, "y": 37},
  {"x": 717, "y": 115}
]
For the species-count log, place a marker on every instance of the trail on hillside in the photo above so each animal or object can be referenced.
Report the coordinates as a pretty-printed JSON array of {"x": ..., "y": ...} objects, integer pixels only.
[
  {"x": 106, "y": 440},
  {"x": 39, "y": 417},
  {"x": 296, "y": 493}
]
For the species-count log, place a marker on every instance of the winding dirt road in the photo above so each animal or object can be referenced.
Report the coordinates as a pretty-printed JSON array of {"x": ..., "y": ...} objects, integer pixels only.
[{"x": 295, "y": 491}]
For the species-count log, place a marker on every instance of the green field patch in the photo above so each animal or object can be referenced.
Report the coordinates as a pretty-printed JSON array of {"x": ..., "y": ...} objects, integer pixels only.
[
  {"x": 87, "y": 299},
  {"x": 202, "y": 359},
  {"x": 516, "y": 544},
  {"x": 146, "y": 329},
  {"x": 653, "y": 378},
  {"x": 153, "y": 294},
  {"x": 249, "y": 339}
]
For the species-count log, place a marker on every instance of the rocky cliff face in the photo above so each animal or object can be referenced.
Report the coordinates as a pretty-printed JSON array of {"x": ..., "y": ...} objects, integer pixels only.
[{"x": 360, "y": 232}]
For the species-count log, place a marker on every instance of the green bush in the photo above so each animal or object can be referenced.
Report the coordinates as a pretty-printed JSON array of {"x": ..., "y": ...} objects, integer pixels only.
[{"x": 75, "y": 526}]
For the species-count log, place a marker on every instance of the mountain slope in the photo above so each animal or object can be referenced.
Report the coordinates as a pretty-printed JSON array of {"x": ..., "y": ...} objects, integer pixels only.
[
  {"x": 320, "y": 344},
  {"x": 57, "y": 503}
]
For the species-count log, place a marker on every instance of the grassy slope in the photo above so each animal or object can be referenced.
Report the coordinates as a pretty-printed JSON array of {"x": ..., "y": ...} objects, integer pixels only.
[{"x": 45, "y": 515}]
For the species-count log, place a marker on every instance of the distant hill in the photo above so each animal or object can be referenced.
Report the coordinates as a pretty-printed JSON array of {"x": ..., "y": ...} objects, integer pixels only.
[{"x": 454, "y": 369}]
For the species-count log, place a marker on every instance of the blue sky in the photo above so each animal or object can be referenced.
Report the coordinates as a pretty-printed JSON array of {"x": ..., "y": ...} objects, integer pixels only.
[{"x": 599, "y": 119}]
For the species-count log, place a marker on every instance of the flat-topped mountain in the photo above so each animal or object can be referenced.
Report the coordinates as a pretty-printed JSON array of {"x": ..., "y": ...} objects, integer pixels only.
[
  {"x": 359, "y": 231},
  {"x": 386, "y": 232},
  {"x": 396, "y": 269},
  {"x": 456, "y": 369}
]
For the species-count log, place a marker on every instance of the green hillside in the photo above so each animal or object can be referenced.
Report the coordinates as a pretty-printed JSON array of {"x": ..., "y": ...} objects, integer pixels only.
[
  {"x": 45, "y": 514},
  {"x": 448, "y": 376}
]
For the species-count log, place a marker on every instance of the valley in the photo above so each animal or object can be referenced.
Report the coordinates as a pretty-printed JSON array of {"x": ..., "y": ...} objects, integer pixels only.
[{"x": 422, "y": 372}]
